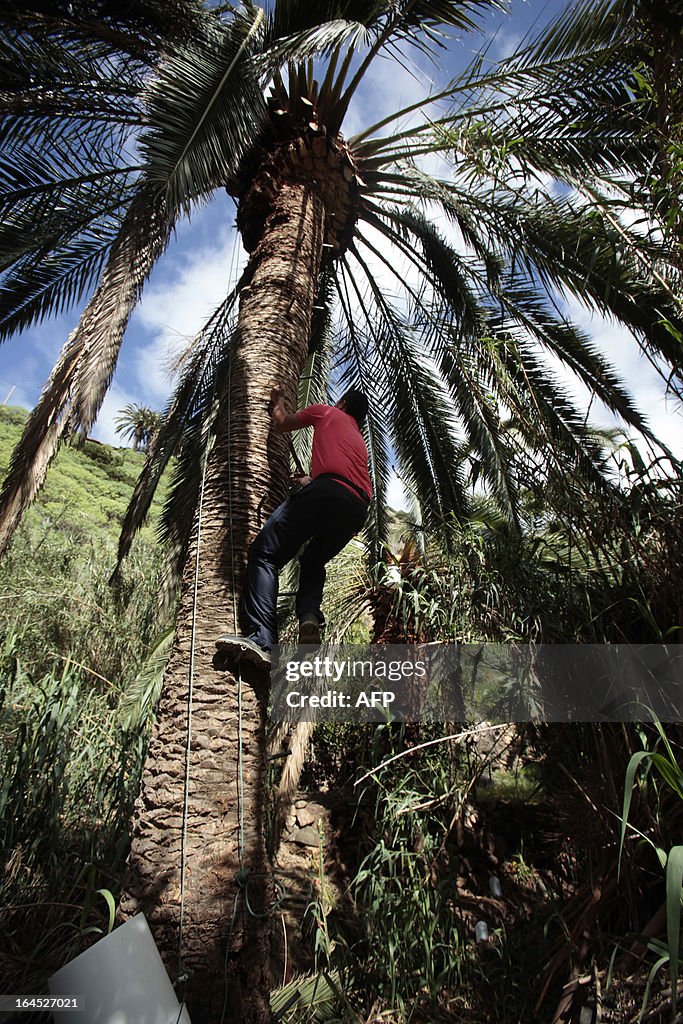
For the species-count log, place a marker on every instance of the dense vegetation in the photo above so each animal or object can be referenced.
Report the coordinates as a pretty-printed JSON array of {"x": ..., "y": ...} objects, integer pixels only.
[
  {"x": 406, "y": 859},
  {"x": 77, "y": 663},
  {"x": 55, "y": 597}
]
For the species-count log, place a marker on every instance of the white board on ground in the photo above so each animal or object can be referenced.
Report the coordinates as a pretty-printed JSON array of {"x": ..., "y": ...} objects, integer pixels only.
[{"x": 121, "y": 980}]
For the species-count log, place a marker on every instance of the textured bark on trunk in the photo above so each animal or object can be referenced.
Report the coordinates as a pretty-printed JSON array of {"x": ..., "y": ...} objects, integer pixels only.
[{"x": 273, "y": 331}]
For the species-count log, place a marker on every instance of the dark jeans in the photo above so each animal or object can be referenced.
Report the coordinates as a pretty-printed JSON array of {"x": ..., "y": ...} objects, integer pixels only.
[{"x": 327, "y": 515}]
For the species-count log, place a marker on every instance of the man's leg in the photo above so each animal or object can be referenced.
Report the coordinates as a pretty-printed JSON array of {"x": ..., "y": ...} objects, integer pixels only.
[
  {"x": 285, "y": 533},
  {"x": 275, "y": 545},
  {"x": 345, "y": 523}
]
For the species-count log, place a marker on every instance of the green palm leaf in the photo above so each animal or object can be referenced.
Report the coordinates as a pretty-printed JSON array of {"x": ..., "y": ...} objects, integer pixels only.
[
  {"x": 204, "y": 110},
  {"x": 42, "y": 286}
]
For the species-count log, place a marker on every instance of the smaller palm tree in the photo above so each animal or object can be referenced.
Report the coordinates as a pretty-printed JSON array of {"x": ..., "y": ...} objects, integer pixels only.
[{"x": 138, "y": 424}]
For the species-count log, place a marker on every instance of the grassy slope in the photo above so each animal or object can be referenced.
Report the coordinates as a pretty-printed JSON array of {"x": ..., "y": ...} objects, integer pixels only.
[
  {"x": 55, "y": 600},
  {"x": 88, "y": 486}
]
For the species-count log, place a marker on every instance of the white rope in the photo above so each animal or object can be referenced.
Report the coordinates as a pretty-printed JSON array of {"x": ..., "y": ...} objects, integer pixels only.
[
  {"x": 240, "y": 773},
  {"x": 183, "y": 841}
]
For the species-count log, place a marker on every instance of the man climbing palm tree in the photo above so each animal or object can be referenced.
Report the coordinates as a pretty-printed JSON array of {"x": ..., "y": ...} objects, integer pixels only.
[{"x": 330, "y": 507}]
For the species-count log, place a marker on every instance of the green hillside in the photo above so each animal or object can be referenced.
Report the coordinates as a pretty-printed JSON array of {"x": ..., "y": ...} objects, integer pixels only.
[
  {"x": 88, "y": 485},
  {"x": 56, "y": 604}
]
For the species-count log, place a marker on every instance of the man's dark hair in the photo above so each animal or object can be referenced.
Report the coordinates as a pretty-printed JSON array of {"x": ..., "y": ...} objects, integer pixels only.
[{"x": 355, "y": 404}]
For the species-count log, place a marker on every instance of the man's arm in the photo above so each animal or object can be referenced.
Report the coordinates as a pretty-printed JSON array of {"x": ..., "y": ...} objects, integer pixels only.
[{"x": 283, "y": 422}]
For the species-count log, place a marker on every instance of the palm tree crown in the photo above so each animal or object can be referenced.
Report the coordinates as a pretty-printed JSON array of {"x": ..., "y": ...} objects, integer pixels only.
[{"x": 138, "y": 424}]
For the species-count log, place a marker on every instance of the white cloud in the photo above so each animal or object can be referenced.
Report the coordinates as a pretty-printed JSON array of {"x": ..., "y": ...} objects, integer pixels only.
[
  {"x": 396, "y": 495},
  {"x": 506, "y": 42},
  {"x": 388, "y": 87},
  {"x": 105, "y": 428},
  {"x": 174, "y": 308}
]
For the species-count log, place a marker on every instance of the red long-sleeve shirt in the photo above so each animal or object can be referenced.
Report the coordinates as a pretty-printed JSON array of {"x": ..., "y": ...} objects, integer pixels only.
[{"x": 338, "y": 445}]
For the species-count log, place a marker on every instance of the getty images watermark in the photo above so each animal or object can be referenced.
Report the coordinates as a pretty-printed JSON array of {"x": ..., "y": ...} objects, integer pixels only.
[{"x": 470, "y": 682}]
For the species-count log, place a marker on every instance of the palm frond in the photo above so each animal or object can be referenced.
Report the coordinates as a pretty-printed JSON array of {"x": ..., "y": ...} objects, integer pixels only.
[
  {"x": 291, "y": 18},
  {"x": 442, "y": 266},
  {"x": 135, "y": 29},
  {"x": 476, "y": 403},
  {"x": 75, "y": 390},
  {"x": 549, "y": 108},
  {"x": 422, "y": 428},
  {"x": 142, "y": 695},
  {"x": 605, "y": 265},
  {"x": 320, "y": 39},
  {"x": 36, "y": 448},
  {"x": 454, "y": 308},
  {"x": 546, "y": 415},
  {"x": 355, "y": 370},
  {"x": 562, "y": 244},
  {"x": 142, "y": 239},
  {"x": 426, "y": 14},
  {"x": 415, "y": 22},
  {"x": 57, "y": 227},
  {"x": 316, "y": 995},
  {"x": 204, "y": 109},
  {"x": 32, "y": 188},
  {"x": 296, "y": 31},
  {"x": 587, "y": 26},
  {"x": 64, "y": 182},
  {"x": 314, "y": 380},
  {"x": 41, "y": 287},
  {"x": 574, "y": 348},
  {"x": 454, "y": 304},
  {"x": 60, "y": 82},
  {"x": 178, "y": 517}
]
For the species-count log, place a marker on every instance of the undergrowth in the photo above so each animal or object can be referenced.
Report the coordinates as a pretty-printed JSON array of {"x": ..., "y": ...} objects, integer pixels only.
[{"x": 70, "y": 774}]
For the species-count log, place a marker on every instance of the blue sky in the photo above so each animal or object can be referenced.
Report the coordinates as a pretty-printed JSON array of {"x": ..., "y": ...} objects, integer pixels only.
[{"x": 194, "y": 274}]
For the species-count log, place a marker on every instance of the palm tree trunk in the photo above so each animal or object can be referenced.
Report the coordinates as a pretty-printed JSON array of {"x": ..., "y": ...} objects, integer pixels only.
[{"x": 246, "y": 478}]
